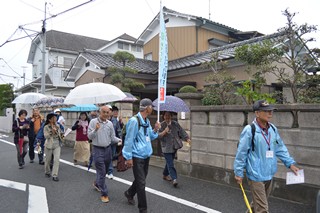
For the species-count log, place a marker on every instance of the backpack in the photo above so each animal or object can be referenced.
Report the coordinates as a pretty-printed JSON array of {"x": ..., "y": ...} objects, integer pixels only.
[{"x": 253, "y": 131}]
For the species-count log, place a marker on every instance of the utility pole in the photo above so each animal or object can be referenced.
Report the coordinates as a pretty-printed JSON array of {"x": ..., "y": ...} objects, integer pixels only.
[
  {"x": 44, "y": 62},
  {"x": 24, "y": 75},
  {"x": 209, "y": 9}
]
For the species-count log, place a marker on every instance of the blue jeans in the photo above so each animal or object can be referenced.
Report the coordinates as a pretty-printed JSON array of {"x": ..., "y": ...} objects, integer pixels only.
[
  {"x": 140, "y": 172},
  {"x": 114, "y": 153},
  {"x": 102, "y": 157},
  {"x": 169, "y": 168}
]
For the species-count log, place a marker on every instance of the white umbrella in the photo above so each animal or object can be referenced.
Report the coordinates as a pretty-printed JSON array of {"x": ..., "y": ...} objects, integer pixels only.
[
  {"x": 28, "y": 98},
  {"x": 94, "y": 93}
]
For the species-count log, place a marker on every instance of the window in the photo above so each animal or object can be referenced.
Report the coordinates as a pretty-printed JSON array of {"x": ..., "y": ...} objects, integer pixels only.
[
  {"x": 123, "y": 46},
  {"x": 148, "y": 56},
  {"x": 135, "y": 48},
  {"x": 67, "y": 62}
]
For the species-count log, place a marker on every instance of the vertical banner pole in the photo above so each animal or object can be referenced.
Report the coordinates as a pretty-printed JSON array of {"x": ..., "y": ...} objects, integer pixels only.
[{"x": 163, "y": 62}]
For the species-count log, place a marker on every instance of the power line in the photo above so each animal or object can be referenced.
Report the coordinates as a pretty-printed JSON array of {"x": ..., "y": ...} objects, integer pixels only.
[
  {"x": 11, "y": 76},
  {"x": 10, "y": 67}
]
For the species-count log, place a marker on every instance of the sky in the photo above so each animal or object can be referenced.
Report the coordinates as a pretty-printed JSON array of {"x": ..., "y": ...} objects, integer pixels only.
[{"x": 108, "y": 19}]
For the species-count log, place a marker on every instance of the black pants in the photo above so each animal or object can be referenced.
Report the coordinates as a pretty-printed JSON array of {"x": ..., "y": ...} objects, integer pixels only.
[
  {"x": 140, "y": 172},
  {"x": 31, "y": 147}
]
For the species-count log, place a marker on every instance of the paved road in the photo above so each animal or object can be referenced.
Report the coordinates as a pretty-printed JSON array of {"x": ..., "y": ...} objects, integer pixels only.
[{"x": 27, "y": 190}]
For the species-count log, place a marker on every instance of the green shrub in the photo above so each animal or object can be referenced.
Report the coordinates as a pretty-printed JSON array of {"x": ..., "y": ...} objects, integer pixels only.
[{"x": 188, "y": 89}]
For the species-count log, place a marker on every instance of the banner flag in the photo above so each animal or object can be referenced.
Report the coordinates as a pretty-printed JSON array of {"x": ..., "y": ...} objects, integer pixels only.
[{"x": 163, "y": 60}]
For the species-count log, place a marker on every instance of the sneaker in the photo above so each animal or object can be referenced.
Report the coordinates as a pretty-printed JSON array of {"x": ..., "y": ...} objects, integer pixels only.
[
  {"x": 55, "y": 179},
  {"x": 47, "y": 175},
  {"x": 105, "y": 199},
  {"x": 130, "y": 199},
  {"x": 96, "y": 186},
  {"x": 110, "y": 176},
  {"x": 20, "y": 166},
  {"x": 31, "y": 161},
  {"x": 167, "y": 178},
  {"x": 41, "y": 162},
  {"x": 175, "y": 183}
]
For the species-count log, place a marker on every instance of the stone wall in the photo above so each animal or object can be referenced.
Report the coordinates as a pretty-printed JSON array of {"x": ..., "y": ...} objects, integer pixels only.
[
  {"x": 6, "y": 121},
  {"x": 215, "y": 131}
]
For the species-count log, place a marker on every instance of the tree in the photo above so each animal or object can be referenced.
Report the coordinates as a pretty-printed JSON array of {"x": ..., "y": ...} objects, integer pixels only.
[
  {"x": 286, "y": 58},
  {"x": 6, "y": 97},
  {"x": 221, "y": 91},
  {"x": 118, "y": 74}
]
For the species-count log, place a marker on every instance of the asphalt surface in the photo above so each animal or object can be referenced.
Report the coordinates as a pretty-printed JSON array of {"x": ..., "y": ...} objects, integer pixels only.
[{"x": 74, "y": 191}]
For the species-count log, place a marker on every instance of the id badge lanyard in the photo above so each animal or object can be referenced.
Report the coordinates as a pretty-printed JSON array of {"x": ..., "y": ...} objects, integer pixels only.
[
  {"x": 267, "y": 141},
  {"x": 269, "y": 136}
]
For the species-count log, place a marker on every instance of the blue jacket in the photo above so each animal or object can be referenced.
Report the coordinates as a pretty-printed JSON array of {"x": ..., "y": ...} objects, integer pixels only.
[
  {"x": 258, "y": 166},
  {"x": 136, "y": 144}
]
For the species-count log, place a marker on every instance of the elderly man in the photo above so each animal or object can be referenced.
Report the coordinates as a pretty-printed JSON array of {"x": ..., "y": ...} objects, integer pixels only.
[
  {"x": 102, "y": 134},
  {"x": 260, "y": 145},
  {"x": 137, "y": 151}
]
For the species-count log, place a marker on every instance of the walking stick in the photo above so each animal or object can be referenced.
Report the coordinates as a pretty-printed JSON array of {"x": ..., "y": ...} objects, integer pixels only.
[{"x": 245, "y": 198}]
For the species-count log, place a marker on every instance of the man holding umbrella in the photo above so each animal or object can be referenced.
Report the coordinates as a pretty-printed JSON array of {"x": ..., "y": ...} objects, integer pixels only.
[
  {"x": 137, "y": 151},
  {"x": 102, "y": 134}
]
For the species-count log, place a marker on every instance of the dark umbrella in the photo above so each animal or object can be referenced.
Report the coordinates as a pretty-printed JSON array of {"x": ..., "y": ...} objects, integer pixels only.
[
  {"x": 172, "y": 104},
  {"x": 51, "y": 102},
  {"x": 90, "y": 161},
  {"x": 129, "y": 98}
]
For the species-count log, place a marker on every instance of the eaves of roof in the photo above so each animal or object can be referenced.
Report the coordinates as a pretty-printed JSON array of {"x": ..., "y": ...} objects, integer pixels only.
[{"x": 105, "y": 60}]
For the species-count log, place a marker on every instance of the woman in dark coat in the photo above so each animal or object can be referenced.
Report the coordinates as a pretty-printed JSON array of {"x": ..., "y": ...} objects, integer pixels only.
[
  {"x": 21, "y": 127},
  {"x": 171, "y": 135}
]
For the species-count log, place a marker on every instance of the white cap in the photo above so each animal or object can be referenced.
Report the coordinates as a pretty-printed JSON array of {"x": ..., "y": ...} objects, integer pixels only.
[
  {"x": 56, "y": 110},
  {"x": 109, "y": 106}
]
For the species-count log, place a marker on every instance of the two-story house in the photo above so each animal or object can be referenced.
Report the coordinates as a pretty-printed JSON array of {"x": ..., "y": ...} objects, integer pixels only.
[
  {"x": 62, "y": 50},
  {"x": 192, "y": 41},
  {"x": 188, "y": 36}
]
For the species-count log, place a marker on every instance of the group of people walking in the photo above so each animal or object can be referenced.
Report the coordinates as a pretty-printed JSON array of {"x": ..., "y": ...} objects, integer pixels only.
[{"x": 259, "y": 147}]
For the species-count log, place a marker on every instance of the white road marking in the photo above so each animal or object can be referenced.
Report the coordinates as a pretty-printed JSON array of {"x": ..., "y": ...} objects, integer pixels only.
[
  {"x": 13, "y": 185},
  {"x": 37, "y": 200},
  {"x": 153, "y": 191}
]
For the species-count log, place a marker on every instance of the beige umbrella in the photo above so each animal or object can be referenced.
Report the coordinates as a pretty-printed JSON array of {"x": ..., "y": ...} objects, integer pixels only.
[
  {"x": 94, "y": 93},
  {"x": 28, "y": 98}
]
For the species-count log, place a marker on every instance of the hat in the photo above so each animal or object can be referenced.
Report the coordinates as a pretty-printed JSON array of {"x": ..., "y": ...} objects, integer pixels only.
[
  {"x": 56, "y": 110},
  {"x": 145, "y": 102},
  {"x": 263, "y": 105},
  {"x": 50, "y": 115},
  {"x": 114, "y": 108},
  {"x": 109, "y": 106}
]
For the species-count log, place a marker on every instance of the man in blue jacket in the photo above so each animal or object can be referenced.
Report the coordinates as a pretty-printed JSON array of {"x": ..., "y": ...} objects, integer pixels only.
[
  {"x": 260, "y": 157},
  {"x": 137, "y": 151}
]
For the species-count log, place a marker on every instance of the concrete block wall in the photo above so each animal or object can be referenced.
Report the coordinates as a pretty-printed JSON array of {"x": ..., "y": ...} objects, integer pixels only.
[
  {"x": 6, "y": 121},
  {"x": 215, "y": 132}
]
